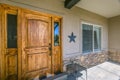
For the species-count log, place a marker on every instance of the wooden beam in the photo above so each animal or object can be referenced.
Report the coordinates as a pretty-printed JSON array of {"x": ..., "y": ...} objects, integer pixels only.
[{"x": 70, "y": 3}]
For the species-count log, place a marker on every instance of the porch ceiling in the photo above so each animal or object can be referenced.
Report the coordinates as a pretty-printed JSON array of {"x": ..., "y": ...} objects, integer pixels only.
[{"x": 106, "y": 8}]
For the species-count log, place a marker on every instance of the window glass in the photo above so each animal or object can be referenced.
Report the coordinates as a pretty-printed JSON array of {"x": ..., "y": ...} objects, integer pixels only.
[
  {"x": 91, "y": 38},
  {"x": 87, "y": 38},
  {"x": 11, "y": 31},
  {"x": 56, "y": 33},
  {"x": 97, "y": 38}
]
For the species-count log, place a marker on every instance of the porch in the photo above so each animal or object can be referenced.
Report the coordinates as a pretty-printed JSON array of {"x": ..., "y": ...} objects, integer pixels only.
[
  {"x": 104, "y": 71},
  {"x": 39, "y": 47}
]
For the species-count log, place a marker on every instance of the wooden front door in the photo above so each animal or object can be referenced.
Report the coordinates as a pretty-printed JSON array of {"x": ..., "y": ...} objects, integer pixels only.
[
  {"x": 9, "y": 44},
  {"x": 36, "y": 44},
  {"x": 30, "y": 43}
]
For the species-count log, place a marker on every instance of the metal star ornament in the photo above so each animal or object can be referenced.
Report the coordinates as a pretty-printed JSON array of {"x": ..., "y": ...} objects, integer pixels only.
[{"x": 72, "y": 37}]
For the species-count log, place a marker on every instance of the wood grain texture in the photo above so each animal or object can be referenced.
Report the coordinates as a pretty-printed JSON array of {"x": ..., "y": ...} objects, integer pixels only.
[
  {"x": 11, "y": 64},
  {"x": 19, "y": 42},
  {"x": 11, "y": 57},
  {"x": 38, "y": 32},
  {"x": 8, "y": 55},
  {"x": 57, "y": 50},
  {"x": 57, "y": 59},
  {"x": 36, "y": 39},
  {"x": 33, "y": 57},
  {"x": 0, "y": 40}
]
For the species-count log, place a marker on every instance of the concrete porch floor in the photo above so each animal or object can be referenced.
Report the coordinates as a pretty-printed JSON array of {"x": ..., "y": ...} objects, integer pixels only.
[{"x": 104, "y": 71}]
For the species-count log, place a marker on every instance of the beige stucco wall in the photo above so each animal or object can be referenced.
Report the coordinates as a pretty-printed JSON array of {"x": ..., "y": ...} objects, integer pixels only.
[
  {"x": 72, "y": 19},
  {"x": 114, "y": 39},
  {"x": 114, "y": 32}
]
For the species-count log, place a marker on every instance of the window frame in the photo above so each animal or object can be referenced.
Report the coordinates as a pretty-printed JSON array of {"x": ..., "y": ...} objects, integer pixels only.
[{"x": 93, "y": 25}]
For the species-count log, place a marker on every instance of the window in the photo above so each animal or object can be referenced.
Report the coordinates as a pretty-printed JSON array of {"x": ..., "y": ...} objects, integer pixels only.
[
  {"x": 91, "y": 38},
  {"x": 11, "y": 31},
  {"x": 56, "y": 33}
]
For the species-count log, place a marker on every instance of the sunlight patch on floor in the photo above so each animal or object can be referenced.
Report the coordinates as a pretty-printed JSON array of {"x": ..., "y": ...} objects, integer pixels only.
[{"x": 104, "y": 71}]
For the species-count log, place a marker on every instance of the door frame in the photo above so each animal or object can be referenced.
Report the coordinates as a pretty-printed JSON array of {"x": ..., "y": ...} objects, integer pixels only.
[
  {"x": 57, "y": 19},
  {"x": 3, "y": 8},
  {"x": 1, "y": 42}
]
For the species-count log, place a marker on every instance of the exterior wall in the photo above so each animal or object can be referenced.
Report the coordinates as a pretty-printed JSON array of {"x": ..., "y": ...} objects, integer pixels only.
[
  {"x": 72, "y": 19},
  {"x": 93, "y": 59},
  {"x": 114, "y": 39},
  {"x": 114, "y": 55}
]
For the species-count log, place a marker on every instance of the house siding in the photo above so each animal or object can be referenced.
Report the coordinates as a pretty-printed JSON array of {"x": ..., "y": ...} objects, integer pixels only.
[
  {"x": 72, "y": 19},
  {"x": 114, "y": 39}
]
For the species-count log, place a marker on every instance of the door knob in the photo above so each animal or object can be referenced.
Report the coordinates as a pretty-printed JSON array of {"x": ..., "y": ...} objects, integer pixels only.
[{"x": 50, "y": 47}]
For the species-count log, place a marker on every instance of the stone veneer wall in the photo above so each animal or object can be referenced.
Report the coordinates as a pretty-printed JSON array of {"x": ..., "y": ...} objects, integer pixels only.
[
  {"x": 114, "y": 55},
  {"x": 93, "y": 59}
]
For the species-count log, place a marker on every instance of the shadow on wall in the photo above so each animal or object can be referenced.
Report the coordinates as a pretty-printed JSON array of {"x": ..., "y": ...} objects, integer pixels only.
[{"x": 114, "y": 55}]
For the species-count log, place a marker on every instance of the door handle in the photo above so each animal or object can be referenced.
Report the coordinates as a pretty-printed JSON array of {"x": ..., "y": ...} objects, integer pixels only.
[
  {"x": 50, "y": 46},
  {"x": 50, "y": 49}
]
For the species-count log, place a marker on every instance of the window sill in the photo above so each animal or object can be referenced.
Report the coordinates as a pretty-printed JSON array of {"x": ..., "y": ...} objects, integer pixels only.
[{"x": 96, "y": 52}]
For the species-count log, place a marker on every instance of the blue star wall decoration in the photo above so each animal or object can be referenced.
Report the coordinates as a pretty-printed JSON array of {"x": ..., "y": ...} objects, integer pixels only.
[{"x": 72, "y": 37}]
